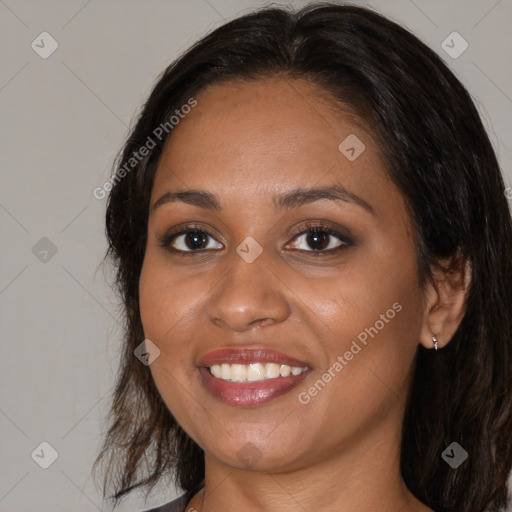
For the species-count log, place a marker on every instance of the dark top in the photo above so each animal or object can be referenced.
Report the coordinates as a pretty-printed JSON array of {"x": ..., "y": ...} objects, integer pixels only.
[{"x": 179, "y": 504}]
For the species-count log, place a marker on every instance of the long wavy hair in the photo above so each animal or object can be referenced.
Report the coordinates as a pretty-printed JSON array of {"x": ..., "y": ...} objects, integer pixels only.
[{"x": 437, "y": 153}]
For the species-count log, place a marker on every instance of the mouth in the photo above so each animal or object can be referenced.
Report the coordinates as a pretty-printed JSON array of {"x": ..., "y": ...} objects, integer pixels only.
[
  {"x": 248, "y": 377},
  {"x": 254, "y": 372}
]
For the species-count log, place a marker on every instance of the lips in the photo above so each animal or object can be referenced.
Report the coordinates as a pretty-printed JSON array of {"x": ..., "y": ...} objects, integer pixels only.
[{"x": 248, "y": 394}]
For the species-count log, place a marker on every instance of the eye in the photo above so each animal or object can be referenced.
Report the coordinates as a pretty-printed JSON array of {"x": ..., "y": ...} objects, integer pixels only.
[
  {"x": 317, "y": 238},
  {"x": 320, "y": 239},
  {"x": 189, "y": 239}
]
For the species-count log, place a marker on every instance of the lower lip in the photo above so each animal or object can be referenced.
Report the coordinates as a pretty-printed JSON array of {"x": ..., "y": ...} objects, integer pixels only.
[{"x": 246, "y": 394}]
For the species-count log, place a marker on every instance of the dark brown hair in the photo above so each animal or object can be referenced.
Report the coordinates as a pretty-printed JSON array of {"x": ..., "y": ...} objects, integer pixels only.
[{"x": 437, "y": 153}]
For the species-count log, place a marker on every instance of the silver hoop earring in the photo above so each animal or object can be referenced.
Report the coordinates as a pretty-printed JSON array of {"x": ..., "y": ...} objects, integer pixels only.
[{"x": 434, "y": 339}]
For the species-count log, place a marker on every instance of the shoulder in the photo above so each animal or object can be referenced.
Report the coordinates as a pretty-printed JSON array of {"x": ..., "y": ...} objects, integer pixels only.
[{"x": 179, "y": 504}]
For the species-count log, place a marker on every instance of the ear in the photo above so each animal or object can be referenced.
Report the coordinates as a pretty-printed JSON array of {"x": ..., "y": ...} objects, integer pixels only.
[{"x": 445, "y": 300}]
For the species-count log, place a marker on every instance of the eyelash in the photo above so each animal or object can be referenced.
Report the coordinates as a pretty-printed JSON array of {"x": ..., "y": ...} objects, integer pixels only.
[{"x": 311, "y": 227}]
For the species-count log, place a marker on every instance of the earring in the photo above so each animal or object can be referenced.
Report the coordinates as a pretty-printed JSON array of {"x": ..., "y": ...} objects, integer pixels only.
[{"x": 434, "y": 339}]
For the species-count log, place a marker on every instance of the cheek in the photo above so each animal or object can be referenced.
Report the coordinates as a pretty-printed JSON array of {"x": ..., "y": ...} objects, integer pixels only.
[
  {"x": 371, "y": 312},
  {"x": 165, "y": 305},
  {"x": 376, "y": 293},
  {"x": 165, "y": 300},
  {"x": 366, "y": 369},
  {"x": 373, "y": 319}
]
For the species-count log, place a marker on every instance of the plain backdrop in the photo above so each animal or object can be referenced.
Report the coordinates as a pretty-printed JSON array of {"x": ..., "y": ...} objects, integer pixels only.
[{"x": 63, "y": 119}]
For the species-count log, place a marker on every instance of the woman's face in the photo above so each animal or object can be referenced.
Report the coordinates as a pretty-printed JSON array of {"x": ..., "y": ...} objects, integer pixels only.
[{"x": 253, "y": 288}]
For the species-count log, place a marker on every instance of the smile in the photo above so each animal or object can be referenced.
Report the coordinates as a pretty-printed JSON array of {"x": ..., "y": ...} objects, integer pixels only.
[
  {"x": 254, "y": 372},
  {"x": 250, "y": 376}
]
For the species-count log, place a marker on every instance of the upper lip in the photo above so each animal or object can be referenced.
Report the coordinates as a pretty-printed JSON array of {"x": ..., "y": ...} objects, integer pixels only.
[{"x": 249, "y": 355}]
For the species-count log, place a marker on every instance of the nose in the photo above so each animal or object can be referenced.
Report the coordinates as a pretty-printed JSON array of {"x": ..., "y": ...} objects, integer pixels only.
[{"x": 250, "y": 295}]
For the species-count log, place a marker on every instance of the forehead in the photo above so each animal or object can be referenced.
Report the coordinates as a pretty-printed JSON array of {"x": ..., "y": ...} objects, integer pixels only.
[{"x": 260, "y": 136}]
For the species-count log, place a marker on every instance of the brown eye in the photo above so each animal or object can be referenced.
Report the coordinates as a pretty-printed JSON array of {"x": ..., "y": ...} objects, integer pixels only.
[
  {"x": 320, "y": 239},
  {"x": 317, "y": 240},
  {"x": 196, "y": 240},
  {"x": 190, "y": 240}
]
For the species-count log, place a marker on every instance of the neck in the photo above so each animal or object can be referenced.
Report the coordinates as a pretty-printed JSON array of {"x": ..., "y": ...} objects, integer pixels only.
[{"x": 363, "y": 475}]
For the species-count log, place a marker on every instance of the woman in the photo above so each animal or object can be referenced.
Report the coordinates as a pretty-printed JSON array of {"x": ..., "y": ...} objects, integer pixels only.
[{"x": 313, "y": 248}]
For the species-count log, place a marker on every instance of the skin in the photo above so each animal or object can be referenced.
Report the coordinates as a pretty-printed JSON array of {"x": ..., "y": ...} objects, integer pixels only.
[{"x": 246, "y": 142}]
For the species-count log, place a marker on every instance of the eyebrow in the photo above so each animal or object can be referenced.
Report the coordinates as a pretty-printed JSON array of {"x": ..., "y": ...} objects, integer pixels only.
[{"x": 285, "y": 201}]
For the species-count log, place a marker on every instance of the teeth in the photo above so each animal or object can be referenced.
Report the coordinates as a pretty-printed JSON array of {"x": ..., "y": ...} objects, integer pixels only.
[
  {"x": 238, "y": 372},
  {"x": 285, "y": 370},
  {"x": 253, "y": 372},
  {"x": 272, "y": 370},
  {"x": 256, "y": 371},
  {"x": 226, "y": 371},
  {"x": 216, "y": 371}
]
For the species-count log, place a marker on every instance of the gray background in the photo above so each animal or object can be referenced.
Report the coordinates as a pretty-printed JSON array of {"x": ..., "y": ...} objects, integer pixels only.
[{"x": 62, "y": 121}]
